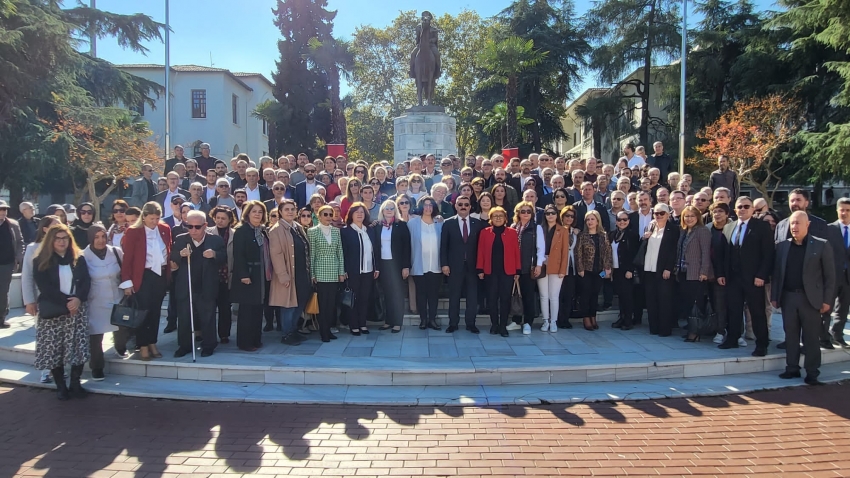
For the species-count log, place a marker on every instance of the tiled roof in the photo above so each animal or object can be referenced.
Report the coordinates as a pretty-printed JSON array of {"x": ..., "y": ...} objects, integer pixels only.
[{"x": 195, "y": 69}]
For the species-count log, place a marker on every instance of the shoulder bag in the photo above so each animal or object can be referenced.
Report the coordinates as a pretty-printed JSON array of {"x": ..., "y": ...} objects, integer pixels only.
[
  {"x": 127, "y": 313},
  {"x": 50, "y": 310}
]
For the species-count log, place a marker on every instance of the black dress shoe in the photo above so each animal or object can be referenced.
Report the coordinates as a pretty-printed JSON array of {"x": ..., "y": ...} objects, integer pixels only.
[
  {"x": 781, "y": 345},
  {"x": 356, "y": 334},
  {"x": 567, "y": 325},
  {"x": 813, "y": 381},
  {"x": 225, "y": 340},
  {"x": 422, "y": 325},
  {"x": 434, "y": 326},
  {"x": 504, "y": 332},
  {"x": 268, "y": 328},
  {"x": 4, "y": 325},
  {"x": 473, "y": 329},
  {"x": 332, "y": 337},
  {"x": 827, "y": 344},
  {"x": 729, "y": 344},
  {"x": 181, "y": 352},
  {"x": 451, "y": 329},
  {"x": 169, "y": 328},
  {"x": 626, "y": 327},
  {"x": 364, "y": 331},
  {"x": 494, "y": 330},
  {"x": 839, "y": 340},
  {"x": 759, "y": 352},
  {"x": 618, "y": 324},
  {"x": 206, "y": 353},
  {"x": 789, "y": 375}
]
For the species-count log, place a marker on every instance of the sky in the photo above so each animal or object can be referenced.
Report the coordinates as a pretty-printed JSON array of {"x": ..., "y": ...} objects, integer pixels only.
[{"x": 240, "y": 36}]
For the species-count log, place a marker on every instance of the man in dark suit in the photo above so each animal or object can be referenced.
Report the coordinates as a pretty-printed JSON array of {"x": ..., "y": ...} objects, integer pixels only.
[
  {"x": 11, "y": 257},
  {"x": 164, "y": 197},
  {"x": 838, "y": 235},
  {"x": 518, "y": 180},
  {"x": 749, "y": 266},
  {"x": 253, "y": 188},
  {"x": 458, "y": 253},
  {"x": 178, "y": 158},
  {"x": 660, "y": 160},
  {"x": 176, "y": 218},
  {"x": 804, "y": 286},
  {"x": 205, "y": 161},
  {"x": 279, "y": 191},
  {"x": 180, "y": 209},
  {"x": 798, "y": 200},
  {"x": 207, "y": 254},
  {"x": 306, "y": 188},
  {"x": 588, "y": 203}
]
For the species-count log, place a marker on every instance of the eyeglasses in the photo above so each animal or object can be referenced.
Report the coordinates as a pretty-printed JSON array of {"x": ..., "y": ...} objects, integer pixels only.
[
  {"x": 327, "y": 214},
  {"x": 195, "y": 226},
  {"x": 622, "y": 219},
  {"x": 497, "y": 216},
  {"x": 119, "y": 211},
  {"x": 224, "y": 186},
  {"x": 415, "y": 181},
  {"x": 550, "y": 213},
  {"x": 660, "y": 213},
  {"x": 743, "y": 206},
  {"x": 62, "y": 238},
  {"x": 279, "y": 189},
  {"x": 616, "y": 199},
  {"x": 571, "y": 216},
  {"x": 86, "y": 212},
  {"x": 461, "y": 205},
  {"x": 466, "y": 174},
  {"x": 525, "y": 211},
  {"x": 703, "y": 200},
  {"x": 306, "y": 216},
  {"x": 389, "y": 209},
  {"x": 310, "y": 171},
  {"x": 403, "y": 203}
]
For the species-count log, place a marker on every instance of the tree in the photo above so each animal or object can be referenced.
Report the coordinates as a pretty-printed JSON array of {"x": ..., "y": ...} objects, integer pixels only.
[
  {"x": 506, "y": 59},
  {"x": 545, "y": 88},
  {"x": 335, "y": 59},
  {"x": 753, "y": 135},
  {"x": 301, "y": 86},
  {"x": 633, "y": 33},
  {"x": 495, "y": 122},
  {"x": 102, "y": 144},
  {"x": 605, "y": 111}
]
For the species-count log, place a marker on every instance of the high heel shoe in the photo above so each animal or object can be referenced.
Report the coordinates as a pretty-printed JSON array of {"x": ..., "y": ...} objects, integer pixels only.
[
  {"x": 693, "y": 339},
  {"x": 588, "y": 325},
  {"x": 595, "y": 325}
]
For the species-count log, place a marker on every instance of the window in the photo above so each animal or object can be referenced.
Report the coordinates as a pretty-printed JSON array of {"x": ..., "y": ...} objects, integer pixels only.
[
  {"x": 196, "y": 149},
  {"x": 139, "y": 108},
  {"x": 236, "y": 150},
  {"x": 265, "y": 127},
  {"x": 199, "y": 103},
  {"x": 234, "y": 105}
]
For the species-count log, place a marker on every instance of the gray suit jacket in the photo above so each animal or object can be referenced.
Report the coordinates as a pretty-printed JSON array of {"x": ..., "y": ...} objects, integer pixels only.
[
  {"x": 818, "y": 272},
  {"x": 17, "y": 242},
  {"x": 835, "y": 236},
  {"x": 140, "y": 193}
]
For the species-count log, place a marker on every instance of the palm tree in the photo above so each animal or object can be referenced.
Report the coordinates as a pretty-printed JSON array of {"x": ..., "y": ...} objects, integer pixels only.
[
  {"x": 495, "y": 121},
  {"x": 335, "y": 58},
  {"x": 506, "y": 59},
  {"x": 604, "y": 111}
]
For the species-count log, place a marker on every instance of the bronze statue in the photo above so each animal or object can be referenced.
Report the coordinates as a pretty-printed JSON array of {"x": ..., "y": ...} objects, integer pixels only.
[{"x": 425, "y": 59}]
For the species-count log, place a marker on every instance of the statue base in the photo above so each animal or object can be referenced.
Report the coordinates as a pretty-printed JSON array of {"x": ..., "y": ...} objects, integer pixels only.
[{"x": 424, "y": 130}]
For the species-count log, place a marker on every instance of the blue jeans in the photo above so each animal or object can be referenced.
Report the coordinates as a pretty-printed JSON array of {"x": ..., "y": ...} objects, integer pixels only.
[{"x": 288, "y": 317}]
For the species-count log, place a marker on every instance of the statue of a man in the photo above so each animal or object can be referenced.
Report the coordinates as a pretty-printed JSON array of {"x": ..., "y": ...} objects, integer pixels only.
[{"x": 426, "y": 24}]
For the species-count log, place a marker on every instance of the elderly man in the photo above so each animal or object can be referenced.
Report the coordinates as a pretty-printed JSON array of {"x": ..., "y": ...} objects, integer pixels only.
[
  {"x": 253, "y": 188},
  {"x": 207, "y": 254},
  {"x": 724, "y": 177},
  {"x": 11, "y": 256},
  {"x": 164, "y": 197},
  {"x": 239, "y": 179},
  {"x": 588, "y": 203},
  {"x": 144, "y": 188},
  {"x": 224, "y": 198},
  {"x": 804, "y": 286},
  {"x": 660, "y": 160},
  {"x": 205, "y": 161},
  {"x": 28, "y": 222}
]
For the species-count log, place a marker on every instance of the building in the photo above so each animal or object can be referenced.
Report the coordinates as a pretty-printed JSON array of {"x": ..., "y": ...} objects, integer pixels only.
[
  {"x": 208, "y": 105},
  {"x": 620, "y": 125}
]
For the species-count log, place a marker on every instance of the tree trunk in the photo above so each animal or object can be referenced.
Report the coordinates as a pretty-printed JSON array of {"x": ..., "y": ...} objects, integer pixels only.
[
  {"x": 512, "y": 122},
  {"x": 16, "y": 197},
  {"x": 596, "y": 128},
  {"x": 338, "y": 126}
]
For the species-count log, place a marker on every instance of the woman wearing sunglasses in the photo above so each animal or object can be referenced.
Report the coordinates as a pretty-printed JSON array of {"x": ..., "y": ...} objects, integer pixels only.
[
  {"x": 327, "y": 269},
  {"x": 498, "y": 266},
  {"x": 556, "y": 255},
  {"x": 624, "y": 245},
  {"x": 659, "y": 263},
  {"x": 80, "y": 226},
  {"x": 593, "y": 264},
  {"x": 119, "y": 223}
]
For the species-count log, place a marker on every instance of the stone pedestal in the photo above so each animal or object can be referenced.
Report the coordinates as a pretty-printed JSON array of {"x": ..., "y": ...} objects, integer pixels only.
[{"x": 424, "y": 130}]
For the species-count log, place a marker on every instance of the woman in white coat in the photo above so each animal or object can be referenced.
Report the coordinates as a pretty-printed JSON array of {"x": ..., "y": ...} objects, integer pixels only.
[{"x": 104, "y": 264}]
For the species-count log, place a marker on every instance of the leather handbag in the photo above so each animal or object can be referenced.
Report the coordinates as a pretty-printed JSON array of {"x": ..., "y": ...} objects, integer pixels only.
[
  {"x": 50, "y": 310},
  {"x": 346, "y": 296},
  {"x": 127, "y": 313},
  {"x": 312, "y": 305},
  {"x": 516, "y": 301}
]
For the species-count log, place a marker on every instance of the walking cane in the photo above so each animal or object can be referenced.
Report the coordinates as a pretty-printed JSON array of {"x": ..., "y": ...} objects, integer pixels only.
[{"x": 191, "y": 303}]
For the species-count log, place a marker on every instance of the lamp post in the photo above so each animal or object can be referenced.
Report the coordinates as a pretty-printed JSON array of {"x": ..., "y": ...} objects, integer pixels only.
[
  {"x": 167, "y": 83},
  {"x": 682, "y": 87}
]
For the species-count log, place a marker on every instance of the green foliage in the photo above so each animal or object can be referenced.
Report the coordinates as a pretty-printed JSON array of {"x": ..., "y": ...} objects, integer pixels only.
[{"x": 495, "y": 123}]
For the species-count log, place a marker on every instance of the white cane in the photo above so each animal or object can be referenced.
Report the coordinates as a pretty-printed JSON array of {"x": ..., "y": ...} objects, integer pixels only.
[{"x": 191, "y": 303}]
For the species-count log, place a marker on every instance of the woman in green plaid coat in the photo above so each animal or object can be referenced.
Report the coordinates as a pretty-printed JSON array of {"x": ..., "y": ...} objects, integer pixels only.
[{"x": 327, "y": 269}]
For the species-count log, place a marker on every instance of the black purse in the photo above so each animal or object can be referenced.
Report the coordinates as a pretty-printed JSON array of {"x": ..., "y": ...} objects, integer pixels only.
[
  {"x": 50, "y": 310},
  {"x": 346, "y": 296},
  {"x": 127, "y": 313}
]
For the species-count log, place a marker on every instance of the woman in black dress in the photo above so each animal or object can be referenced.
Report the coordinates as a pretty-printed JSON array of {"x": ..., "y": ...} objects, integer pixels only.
[{"x": 251, "y": 272}]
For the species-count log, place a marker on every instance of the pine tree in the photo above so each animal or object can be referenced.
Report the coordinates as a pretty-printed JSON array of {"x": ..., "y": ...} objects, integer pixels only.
[{"x": 301, "y": 87}]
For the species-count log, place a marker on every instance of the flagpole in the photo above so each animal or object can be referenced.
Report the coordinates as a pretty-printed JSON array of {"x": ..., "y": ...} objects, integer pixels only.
[
  {"x": 682, "y": 87},
  {"x": 167, "y": 82}
]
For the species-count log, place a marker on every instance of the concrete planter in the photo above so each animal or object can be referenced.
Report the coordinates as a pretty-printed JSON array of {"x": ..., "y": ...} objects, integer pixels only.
[{"x": 16, "y": 300}]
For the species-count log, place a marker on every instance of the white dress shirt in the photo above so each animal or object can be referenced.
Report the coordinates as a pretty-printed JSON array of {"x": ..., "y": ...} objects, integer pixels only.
[
  {"x": 310, "y": 189},
  {"x": 644, "y": 221},
  {"x": 253, "y": 194},
  {"x": 739, "y": 233},
  {"x": 386, "y": 243},
  {"x": 591, "y": 206},
  {"x": 156, "y": 251},
  {"x": 166, "y": 209},
  {"x": 210, "y": 193},
  {"x": 430, "y": 249},
  {"x": 650, "y": 263},
  {"x": 66, "y": 279}
]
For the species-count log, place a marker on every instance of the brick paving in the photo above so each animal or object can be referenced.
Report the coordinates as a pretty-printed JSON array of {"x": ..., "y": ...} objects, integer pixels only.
[{"x": 799, "y": 432}]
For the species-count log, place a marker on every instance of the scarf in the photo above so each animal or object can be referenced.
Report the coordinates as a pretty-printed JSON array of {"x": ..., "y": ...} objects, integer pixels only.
[
  {"x": 520, "y": 228},
  {"x": 68, "y": 260},
  {"x": 387, "y": 224},
  {"x": 326, "y": 231},
  {"x": 92, "y": 231},
  {"x": 114, "y": 229},
  {"x": 266, "y": 263}
]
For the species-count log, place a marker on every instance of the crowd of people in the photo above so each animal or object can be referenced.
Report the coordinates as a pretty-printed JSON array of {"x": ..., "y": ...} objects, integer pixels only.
[{"x": 316, "y": 246}]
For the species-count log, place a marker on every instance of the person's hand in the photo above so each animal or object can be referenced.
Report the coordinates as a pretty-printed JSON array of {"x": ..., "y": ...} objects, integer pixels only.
[
  {"x": 824, "y": 308},
  {"x": 73, "y": 304},
  {"x": 405, "y": 273},
  {"x": 376, "y": 274},
  {"x": 342, "y": 277},
  {"x": 286, "y": 283},
  {"x": 647, "y": 234},
  {"x": 186, "y": 251},
  {"x": 314, "y": 281},
  {"x": 246, "y": 281},
  {"x": 721, "y": 281},
  {"x": 629, "y": 275},
  {"x": 665, "y": 275},
  {"x": 607, "y": 273},
  {"x": 560, "y": 276},
  {"x": 481, "y": 276},
  {"x": 173, "y": 265},
  {"x": 776, "y": 304},
  {"x": 703, "y": 277},
  {"x": 209, "y": 254},
  {"x": 759, "y": 282},
  {"x": 537, "y": 271},
  {"x": 345, "y": 276},
  {"x": 446, "y": 270},
  {"x": 128, "y": 291},
  {"x": 516, "y": 278},
  {"x": 581, "y": 274},
  {"x": 32, "y": 309}
]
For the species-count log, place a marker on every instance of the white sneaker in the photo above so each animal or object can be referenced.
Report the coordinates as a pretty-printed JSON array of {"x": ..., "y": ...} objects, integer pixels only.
[
  {"x": 45, "y": 376},
  {"x": 545, "y": 326},
  {"x": 526, "y": 329},
  {"x": 742, "y": 342},
  {"x": 334, "y": 330},
  {"x": 718, "y": 339},
  {"x": 513, "y": 326},
  {"x": 553, "y": 327}
]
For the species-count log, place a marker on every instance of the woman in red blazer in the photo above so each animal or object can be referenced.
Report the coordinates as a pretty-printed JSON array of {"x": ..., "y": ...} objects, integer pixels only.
[
  {"x": 145, "y": 275},
  {"x": 499, "y": 265}
]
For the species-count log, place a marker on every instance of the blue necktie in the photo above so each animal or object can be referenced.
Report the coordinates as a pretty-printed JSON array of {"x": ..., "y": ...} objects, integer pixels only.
[{"x": 846, "y": 238}]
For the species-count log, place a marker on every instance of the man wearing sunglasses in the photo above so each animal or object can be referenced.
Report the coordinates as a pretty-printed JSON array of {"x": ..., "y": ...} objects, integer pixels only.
[
  {"x": 207, "y": 254},
  {"x": 750, "y": 264},
  {"x": 305, "y": 189},
  {"x": 458, "y": 255}
]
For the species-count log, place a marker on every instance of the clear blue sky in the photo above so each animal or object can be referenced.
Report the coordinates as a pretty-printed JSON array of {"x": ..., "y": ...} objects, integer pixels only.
[{"x": 239, "y": 35}]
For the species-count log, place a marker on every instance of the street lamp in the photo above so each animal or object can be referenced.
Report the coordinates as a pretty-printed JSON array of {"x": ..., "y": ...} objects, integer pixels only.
[{"x": 682, "y": 87}]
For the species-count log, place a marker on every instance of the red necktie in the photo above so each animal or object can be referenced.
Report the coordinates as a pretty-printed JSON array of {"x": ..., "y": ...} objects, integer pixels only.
[{"x": 465, "y": 231}]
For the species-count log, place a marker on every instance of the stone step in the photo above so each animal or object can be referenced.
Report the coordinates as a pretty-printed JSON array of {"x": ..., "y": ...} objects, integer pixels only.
[{"x": 425, "y": 395}]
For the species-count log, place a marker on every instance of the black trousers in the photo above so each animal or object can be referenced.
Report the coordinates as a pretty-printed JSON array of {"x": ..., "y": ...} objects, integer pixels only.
[
  {"x": 529, "y": 302},
  {"x": 639, "y": 299},
  {"x": 499, "y": 286},
  {"x": 171, "y": 318},
  {"x": 737, "y": 293},
  {"x": 798, "y": 316},
  {"x": 607, "y": 293},
  {"x": 717, "y": 295},
  {"x": 568, "y": 291},
  {"x": 361, "y": 285},
  {"x": 463, "y": 279},
  {"x": 149, "y": 296},
  {"x": 394, "y": 289},
  {"x": 249, "y": 326},
  {"x": 225, "y": 316},
  {"x": 659, "y": 303},
  {"x": 119, "y": 341},
  {"x": 269, "y": 312},
  {"x": 327, "y": 294},
  {"x": 204, "y": 317},
  {"x": 623, "y": 288},
  {"x": 591, "y": 283},
  {"x": 428, "y": 295},
  {"x": 688, "y": 293},
  {"x": 6, "y": 271},
  {"x": 841, "y": 308}
]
